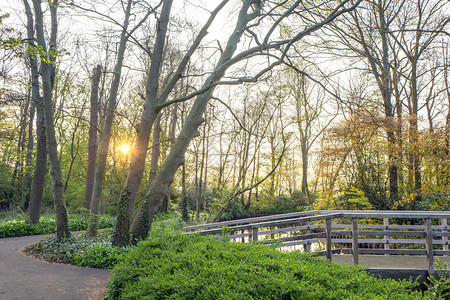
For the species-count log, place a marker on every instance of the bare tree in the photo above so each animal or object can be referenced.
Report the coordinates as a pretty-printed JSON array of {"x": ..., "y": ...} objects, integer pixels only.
[{"x": 420, "y": 23}]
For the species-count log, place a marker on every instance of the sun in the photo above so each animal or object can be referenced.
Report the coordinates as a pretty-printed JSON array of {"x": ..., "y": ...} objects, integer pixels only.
[{"x": 124, "y": 148}]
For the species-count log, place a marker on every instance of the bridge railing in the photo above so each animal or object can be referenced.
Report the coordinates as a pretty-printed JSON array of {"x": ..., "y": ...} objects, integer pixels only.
[{"x": 380, "y": 231}]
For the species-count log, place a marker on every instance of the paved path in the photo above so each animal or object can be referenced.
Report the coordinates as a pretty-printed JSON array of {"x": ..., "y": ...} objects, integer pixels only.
[{"x": 25, "y": 278}]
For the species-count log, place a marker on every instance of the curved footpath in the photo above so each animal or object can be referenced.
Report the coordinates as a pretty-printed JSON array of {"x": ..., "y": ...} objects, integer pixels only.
[{"x": 22, "y": 277}]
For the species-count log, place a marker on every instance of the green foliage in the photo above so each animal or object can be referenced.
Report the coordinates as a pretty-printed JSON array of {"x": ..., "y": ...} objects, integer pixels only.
[
  {"x": 9, "y": 38},
  {"x": 352, "y": 199},
  {"x": 101, "y": 256},
  {"x": 193, "y": 267},
  {"x": 170, "y": 222},
  {"x": 55, "y": 250},
  {"x": 439, "y": 287},
  {"x": 18, "y": 227},
  {"x": 280, "y": 204},
  {"x": 435, "y": 201},
  {"x": 88, "y": 252},
  {"x": 234, "y": 210}
]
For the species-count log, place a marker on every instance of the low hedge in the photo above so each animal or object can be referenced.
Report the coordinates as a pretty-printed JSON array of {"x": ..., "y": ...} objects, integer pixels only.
[
  {"x": 168, "y": 266},
  {"x": 15, "y": 228}
]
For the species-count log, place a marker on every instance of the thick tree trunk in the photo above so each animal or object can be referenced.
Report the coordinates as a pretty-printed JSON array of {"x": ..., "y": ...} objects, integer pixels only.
[
  {"x": 93, "y": 143},
  {"x": 160, "y": 185},
  {"x": 105, "y": 137},
  {"x": 127, "y": 199},
  {"x": 62, "y": 222}
]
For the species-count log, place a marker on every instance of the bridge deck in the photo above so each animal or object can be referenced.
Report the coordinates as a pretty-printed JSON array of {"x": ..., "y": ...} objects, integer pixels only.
[
  {"x": 393, "y": 266},
  {"x": 389, "y": 261}
]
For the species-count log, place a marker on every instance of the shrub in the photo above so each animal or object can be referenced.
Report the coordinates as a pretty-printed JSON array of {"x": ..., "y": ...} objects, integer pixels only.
[
  {"x": 100, "y": 256},
  {"x": 14, "y": 228},
  {"x": 193, "y": 267},
  {"x": 87, "y": 252}
]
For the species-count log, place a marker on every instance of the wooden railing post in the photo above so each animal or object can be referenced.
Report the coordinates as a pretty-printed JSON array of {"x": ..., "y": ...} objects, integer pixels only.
[
  {"x": 386, "y": 237},
  {"x": 429, "y": 246},
  {"x": 307, "y": 247},
  {"x": 444, "y": 238},
  {"x": 355, "y": 240},
  {"x": 254, "y": 234},
  {"x": 328, "y": 238}
]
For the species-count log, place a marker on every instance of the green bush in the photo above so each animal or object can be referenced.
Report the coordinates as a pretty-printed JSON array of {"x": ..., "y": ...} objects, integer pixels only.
[
  {"x": 87, "y": 252},
  {"x": 14, "y": 228},
  {"x": 193, "y": 267},
  {"x": 100, "y": 256}
]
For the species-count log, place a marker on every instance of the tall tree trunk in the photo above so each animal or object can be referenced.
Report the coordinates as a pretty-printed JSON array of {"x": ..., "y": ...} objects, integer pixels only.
[
  {"x": 40, "y": 170},
  {"x": 105, "y": 137},
  {"x": 62, "y": 222},
  {"x": 160, "y": 185},
  {"x": 29, "y": 161},
  {"x": 127, "y": 199},
  {"x": 415, "y": 129},
  {"x": 93, "y": 143},
  {"x": 386, "y": 91}
]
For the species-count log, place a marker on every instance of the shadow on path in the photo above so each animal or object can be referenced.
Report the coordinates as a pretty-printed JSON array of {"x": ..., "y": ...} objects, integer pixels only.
[{"x": 22, "y": 277}]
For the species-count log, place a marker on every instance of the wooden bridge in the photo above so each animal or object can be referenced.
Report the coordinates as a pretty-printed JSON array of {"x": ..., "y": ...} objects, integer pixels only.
[{"x": 394, "y": 244}]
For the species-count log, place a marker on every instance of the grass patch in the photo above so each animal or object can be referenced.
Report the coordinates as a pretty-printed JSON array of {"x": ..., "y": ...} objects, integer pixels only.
[{"x": 175, "y": 266}]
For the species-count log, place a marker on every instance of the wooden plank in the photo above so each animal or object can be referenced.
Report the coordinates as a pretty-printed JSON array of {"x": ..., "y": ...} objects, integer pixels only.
[
  {"x": 304, "y": 237},
  {"x": 229, "y": 230},
  {"x": 393, "y": 251},
  {"x": 251, "y": 220},
  {"x": 383, "y": 227},
  {"x": 234, "y": 236},
  {"x": 441, "y": 252},
  {"x": 389, "y": 233},
  {"x": 328, "y": 238},
  {"x": 382, "y": 241},
  {"x": 355, "y": 241},
  {"x": 296, "y": 220},
  {"x": 380, "y": 214},
  {"x": 288, "y": 229},
  {"x": 346, "y": 251},
  {"x": 289, "y": 244},
  {"x": 444, "y": 235},
  {"x": 237, "y": 236},
  {"x": 429, "y": 247},
  {"x": 323, "y": 253}
]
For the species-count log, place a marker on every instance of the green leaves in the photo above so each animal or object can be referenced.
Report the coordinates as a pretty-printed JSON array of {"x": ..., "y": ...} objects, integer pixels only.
[
  {"x": 19, "y": 227},
  {"x": 192, "y": 267}
]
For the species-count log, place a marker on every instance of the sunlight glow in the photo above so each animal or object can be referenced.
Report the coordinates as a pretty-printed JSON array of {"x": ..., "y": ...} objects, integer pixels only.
[{"x": 124, "y": 148}]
